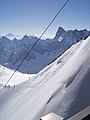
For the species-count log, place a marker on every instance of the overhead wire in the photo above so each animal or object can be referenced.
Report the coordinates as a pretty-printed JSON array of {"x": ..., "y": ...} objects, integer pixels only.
[{"x": 35, "y": 44}]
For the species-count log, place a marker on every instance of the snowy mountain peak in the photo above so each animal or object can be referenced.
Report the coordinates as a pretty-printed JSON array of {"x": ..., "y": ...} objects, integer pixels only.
[{"x": 9, "y": 35}]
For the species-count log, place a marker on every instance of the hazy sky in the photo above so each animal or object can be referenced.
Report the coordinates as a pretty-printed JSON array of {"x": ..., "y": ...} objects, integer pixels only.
[{"x": 32, "y": 16}]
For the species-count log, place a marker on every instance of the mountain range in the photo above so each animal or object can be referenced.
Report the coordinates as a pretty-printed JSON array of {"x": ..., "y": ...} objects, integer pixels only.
[{"x": 46, "y": 51}]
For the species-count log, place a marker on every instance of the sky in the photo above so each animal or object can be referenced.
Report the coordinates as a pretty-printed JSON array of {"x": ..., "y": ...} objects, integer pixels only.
[{"x": 31, "y": 17}]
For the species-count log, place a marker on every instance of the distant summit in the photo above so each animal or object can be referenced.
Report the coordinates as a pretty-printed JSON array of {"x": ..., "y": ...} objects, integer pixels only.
[
  {"x": 12, "y": 36},
  {"x": 9, "y": 35}
]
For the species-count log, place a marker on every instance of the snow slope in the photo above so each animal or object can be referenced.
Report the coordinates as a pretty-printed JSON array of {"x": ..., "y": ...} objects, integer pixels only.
[
  {"x": 5, "y": 74},
  {"x": 63, "y": 87}
]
